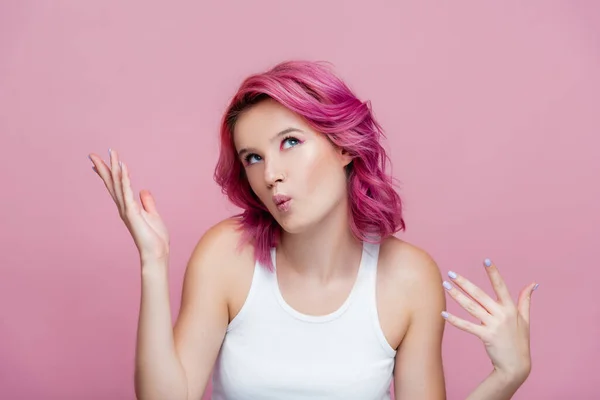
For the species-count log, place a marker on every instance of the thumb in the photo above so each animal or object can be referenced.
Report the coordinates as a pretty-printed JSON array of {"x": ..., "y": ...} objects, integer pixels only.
[
  {"x": 524, "y": 303},
  {"x": 148, "y": 202}
]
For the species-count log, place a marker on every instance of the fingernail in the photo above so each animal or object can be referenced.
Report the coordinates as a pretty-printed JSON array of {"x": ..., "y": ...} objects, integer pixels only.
[
  {"x": 120, "y": 164},
  {"x": 536, "y": 286},
  {"x": 109, "y": 151},
  {"x": 487, "y": 262},
  {"x": 90, "y": 158},
  {"x": 452, "y": 274},
  {"x": 447, "y": 285},
  {"x": 445, "y": 314}
]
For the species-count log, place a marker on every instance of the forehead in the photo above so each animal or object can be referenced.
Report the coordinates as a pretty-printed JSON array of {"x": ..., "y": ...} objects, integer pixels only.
[{"x": 264, "y": 120}]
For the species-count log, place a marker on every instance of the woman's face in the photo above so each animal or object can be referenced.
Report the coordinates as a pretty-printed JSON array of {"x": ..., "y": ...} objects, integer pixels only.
[{"x": 282, "y": 155}]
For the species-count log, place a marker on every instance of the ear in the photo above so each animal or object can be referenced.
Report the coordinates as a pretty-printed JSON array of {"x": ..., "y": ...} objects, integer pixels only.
[{"x": 344, "y": 156}]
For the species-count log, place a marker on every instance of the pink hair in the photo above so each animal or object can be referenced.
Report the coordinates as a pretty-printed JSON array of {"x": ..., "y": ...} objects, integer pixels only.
[{"x": 313, "y": 91}]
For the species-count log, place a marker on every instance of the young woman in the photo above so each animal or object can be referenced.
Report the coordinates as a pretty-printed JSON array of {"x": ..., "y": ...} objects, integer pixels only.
[{"x": 306, "y": 294}]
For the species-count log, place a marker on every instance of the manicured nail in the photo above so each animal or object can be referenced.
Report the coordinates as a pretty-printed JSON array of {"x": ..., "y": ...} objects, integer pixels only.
[
  {"x": 536, "y": 286},
  {"x": 109, "y": 151},
  {"x": 120, "y": 164},
  {"x": 447, "y": 285},
  {"x": 452, "y": 274},
  {"x": 90, "y": 158},
  {"x": 445, "y": 314},
  {"x": 487, "y": 262}
]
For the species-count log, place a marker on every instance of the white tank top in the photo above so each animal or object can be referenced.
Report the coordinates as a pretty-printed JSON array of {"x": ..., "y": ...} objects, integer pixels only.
[{"x": 272, "y": 351}]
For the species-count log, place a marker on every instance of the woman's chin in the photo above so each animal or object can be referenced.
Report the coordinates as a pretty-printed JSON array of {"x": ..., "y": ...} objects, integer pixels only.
[{"x": 292, "y": 224}]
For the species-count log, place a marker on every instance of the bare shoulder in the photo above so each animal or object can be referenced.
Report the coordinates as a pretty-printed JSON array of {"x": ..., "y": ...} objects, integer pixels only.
[
  {"x": 408, "y": 283},
  {"x": 221, "y": 235},
  {"x": 218, "y": 250},
  {"x": 219, "y": 258},
  {"x": 410, "y": 278},
  {"x": 407, "y": 264},
  {"x": 212, "y": 275}
]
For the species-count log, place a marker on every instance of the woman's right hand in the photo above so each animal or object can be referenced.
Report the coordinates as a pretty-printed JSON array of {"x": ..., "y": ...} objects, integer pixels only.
[{"x": 143, "y": 221}]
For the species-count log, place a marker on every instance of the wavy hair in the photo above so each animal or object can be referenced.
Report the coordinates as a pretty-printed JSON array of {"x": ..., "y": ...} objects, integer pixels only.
[{"x": 312, "y": 90}]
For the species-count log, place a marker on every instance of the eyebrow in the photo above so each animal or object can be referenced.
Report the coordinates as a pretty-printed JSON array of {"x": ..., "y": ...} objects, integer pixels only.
[{"x": 282, "y": 133}]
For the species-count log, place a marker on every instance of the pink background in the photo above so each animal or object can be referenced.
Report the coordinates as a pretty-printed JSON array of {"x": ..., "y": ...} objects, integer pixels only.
[{"x": 492, "y": 110}]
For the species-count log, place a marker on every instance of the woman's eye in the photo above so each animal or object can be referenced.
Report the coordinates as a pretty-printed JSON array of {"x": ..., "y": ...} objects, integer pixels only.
[
  {"x": 253, "y": 158},
  {"x": 293, "y": 141},
  {"x": 248, "y": 158}
]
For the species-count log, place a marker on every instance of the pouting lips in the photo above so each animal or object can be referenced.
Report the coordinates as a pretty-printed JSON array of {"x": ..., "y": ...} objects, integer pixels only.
[{"x": 279, "y": 199}]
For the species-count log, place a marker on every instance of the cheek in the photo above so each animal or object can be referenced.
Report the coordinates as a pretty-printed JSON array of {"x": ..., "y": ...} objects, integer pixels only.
[
  {"x": 322, "y": 176},
  {"x": 254, "y": 178}
]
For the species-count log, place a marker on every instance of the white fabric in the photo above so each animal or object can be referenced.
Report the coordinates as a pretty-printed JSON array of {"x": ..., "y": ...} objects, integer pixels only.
[{"x": 272, "y": 351}]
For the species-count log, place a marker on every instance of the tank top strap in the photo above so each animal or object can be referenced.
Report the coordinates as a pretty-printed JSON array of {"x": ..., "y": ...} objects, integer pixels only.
[
  {"x": 369, "y": 295},
  {"x": 368, "y": 272},
  {"x": 262, "y": 280},
  {"x": 371, "y": 255}
]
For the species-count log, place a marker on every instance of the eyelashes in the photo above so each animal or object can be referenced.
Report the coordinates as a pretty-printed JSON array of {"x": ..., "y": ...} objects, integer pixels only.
[{"x": 248, "y": 157}]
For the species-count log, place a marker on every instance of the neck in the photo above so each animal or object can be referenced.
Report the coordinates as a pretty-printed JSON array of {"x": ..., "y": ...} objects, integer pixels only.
[{"x": 327, "y": 250}]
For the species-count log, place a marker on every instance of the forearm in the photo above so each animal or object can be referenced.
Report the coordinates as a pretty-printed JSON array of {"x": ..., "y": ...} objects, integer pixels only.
[
  {"x": 496, "y": 387},
  {"x": 158, "y": 371}
]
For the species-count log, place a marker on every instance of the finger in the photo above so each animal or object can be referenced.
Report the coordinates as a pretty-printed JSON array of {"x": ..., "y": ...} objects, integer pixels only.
[
  {"x": 524, "y": 303},
  {"x": 472, "y": 307},
  {"x": 104, "y": 172},
  {"x": 477, "y": 330},
  {"x": 129, "y": 202},
  {"x": 498, "y": 283},
  {"x": 475, "y": 292},
  {"x": 115, "y": 170},
  {"x": 148, "y": 202}
]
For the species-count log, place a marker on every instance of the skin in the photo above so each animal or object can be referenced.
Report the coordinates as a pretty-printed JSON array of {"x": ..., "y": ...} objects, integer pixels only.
[{"x": 317, "y": 260}]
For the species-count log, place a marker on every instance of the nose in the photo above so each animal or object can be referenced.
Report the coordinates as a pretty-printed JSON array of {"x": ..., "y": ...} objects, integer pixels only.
[{"x": 273, "y": 174}]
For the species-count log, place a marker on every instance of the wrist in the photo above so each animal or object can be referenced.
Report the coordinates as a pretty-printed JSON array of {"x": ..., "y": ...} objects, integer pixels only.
[
  {"x": 154, "y": 259},
  {"x": 154, "y": 266},
  {"x": 512, "y": 378}
]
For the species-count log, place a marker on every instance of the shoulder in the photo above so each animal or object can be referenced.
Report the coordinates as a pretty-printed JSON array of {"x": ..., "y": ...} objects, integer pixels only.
[
  {"x": 219, "y": 257},
  {"x": 410, "y": 274},
  {"x": 416, "y": 299},
  {"x": 222, "y": 233},
  {"x": 401, "y": 260},
  {"x": 220, "y": 244}
]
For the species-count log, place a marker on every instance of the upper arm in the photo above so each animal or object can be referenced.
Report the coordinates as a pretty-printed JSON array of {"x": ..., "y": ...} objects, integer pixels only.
[
  {"x": 418, "y": 373},
  {"x": 203, "y": 316}
]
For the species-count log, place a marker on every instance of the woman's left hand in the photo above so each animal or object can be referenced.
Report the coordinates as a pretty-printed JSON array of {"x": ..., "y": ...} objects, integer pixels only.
[{"x": 504, "y": 327}]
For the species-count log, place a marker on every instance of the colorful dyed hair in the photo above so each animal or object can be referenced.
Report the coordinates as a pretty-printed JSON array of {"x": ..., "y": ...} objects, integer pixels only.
[{"x": 313, "y": 91}]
